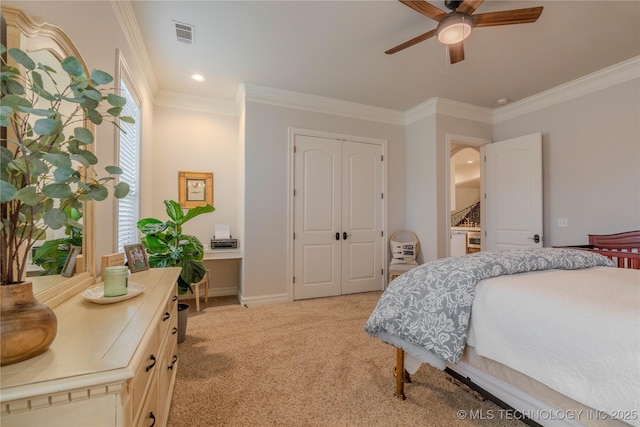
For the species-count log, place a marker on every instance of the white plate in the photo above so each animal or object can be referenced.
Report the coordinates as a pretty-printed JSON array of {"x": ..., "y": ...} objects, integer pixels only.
[{"x": 97, "y": 294}]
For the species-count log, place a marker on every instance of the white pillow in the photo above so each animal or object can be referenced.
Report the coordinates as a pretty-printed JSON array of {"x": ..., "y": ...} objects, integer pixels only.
[{"x": 403, "y": 252}]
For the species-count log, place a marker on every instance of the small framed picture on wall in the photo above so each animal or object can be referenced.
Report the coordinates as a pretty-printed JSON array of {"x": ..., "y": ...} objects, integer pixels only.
[{"x": 195, "y": 189}]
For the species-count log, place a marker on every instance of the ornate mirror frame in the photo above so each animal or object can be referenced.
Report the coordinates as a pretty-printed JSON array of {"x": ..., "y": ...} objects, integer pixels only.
[{"x": 24, "y": 32}]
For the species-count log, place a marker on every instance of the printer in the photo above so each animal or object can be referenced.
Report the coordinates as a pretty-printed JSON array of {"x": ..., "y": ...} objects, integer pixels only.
[{"x": 222, "y": 238}]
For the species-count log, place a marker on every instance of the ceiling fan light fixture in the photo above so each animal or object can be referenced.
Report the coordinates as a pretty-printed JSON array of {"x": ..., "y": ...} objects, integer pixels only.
[{"x": 454, "y": 28}]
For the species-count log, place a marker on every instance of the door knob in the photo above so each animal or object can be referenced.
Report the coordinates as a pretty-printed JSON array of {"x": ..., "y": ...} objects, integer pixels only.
[
  {"x": 535, "y": 238},
  {"x": 337, "y": 235},
  {"x": 345, "y": 235}
]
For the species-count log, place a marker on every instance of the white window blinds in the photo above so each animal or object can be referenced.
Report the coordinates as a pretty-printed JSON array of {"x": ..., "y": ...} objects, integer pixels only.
[{"x": 129, "y": 162}]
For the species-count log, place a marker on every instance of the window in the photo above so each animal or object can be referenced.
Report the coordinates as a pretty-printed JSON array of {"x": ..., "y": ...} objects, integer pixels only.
[{"x": 129, "y": 161}]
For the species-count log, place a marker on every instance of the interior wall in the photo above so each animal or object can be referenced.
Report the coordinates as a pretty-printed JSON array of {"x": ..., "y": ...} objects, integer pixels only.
[
  {"x": 591, "y": 159},
  {"x": 421, "y": 179},
  {"x": 196, "y": 141},
  {"x": 266, "y": 197},
  {"x": 99, "y": 52}
]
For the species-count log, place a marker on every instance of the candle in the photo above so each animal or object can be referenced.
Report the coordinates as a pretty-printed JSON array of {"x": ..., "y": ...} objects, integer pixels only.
[{"x": 115, "y": 281}]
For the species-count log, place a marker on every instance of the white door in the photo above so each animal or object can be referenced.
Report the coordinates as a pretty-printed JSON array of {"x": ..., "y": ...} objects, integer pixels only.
[
  {"x": 513, "y": 193},
  {"x": 338, "y": 224},
  {"x": 361, "y": 217}
]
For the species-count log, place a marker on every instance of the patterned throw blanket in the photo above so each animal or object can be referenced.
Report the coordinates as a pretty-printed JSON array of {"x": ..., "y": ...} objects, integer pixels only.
[{"x": 426, "y": 311}]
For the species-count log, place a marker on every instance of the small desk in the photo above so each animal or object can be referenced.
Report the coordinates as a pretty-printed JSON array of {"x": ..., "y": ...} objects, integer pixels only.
[
  {"x": 228, "y": 280},
  {"x": 213, "y": 254}
]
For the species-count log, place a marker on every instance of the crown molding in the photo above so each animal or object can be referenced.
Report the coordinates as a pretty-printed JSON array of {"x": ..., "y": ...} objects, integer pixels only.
[
  {"x": 129, "y": 25},
  {"x": 201, "y": 104},
  {"x": 319, "y": 104},
  {"x": 602, "y": 79},
  {"x": 448, "y": 107}
]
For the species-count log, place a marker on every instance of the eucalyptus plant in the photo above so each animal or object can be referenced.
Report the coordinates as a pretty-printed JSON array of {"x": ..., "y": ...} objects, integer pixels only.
[
  {"x": 168, "y": 247},
  {"x": 46, "y": 170}
]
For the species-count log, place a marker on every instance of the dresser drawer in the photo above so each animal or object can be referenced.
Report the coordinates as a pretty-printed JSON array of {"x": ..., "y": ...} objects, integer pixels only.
[
  {"x": 169, "y": 321},
  {"x": 141, "y": 382}
]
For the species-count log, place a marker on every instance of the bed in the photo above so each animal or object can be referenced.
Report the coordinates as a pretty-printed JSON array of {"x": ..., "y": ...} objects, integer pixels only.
[{"x": 553, "y": 333}]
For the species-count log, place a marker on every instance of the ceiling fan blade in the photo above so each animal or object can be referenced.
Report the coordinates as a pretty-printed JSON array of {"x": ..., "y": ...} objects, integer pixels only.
[
  {"x": 411, "y": 42},
  {"x": 469, "y": 6},
  {"x": 456, "y": 52},
  {"x": 507, "y": 17},
  {"x": 427, "y": 9}
]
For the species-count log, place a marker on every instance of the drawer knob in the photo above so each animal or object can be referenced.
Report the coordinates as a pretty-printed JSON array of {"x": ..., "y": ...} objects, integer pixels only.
[
  {"x": 173, "y": 361},
  {"x": 153, "y": 419},
  {"x": 174, "y": 331},
  {"x": 153, "y": 363},
  {"x": 166, "y": 317},
  {"x": 175, "y": 298}
]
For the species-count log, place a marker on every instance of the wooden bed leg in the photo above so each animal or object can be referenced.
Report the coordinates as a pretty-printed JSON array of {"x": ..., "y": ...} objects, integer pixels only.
[{"x": 400, "y": 374}]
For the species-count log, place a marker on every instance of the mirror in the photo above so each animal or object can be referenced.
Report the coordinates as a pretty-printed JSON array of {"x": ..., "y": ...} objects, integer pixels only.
[{"x": 42, "y": 42}]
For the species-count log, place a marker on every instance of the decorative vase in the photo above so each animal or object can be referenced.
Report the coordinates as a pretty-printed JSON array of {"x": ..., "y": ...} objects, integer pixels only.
[{"x": 27, "y": 327}]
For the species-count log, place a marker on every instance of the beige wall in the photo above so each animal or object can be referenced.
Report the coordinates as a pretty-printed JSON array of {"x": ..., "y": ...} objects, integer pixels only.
[
  {"x": 266, "y": 187},
  {"x": 591, "y": 162}
]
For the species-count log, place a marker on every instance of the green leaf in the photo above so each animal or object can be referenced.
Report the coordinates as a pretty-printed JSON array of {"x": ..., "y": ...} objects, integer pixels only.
[
  {"x": 116, "y": 100},
  {"x": 57, "y": 191},
  {"x": 38, "y": 111},
  {"x": 15, "y": 102},
  {"x": 63, "y": 174},
  {"x": 115, "y": 111},
  {"x": 121, "y": 190},
  {"x": 151, "y": 226},
  {"x": 127, "y": 119},
  {"x": 47, "y": 126},
  {"x": 80, "y": 159},
  {"x": 72, "y": 66},
  {"x": 15, "y": 87},
  {"x": 98, "y": 192},
  {"x": 155, "y": 245},
  {"x": 194, "y": 212},
  {"x": 55, "y": 218},
  {"x": 99, "y": 77},
  {"x": 92, "y": 94},
  {"x": 29, "y": 196},
  {"x": 7, "y": 191},
  {"x": 22, "y": 58},
  {"x": 94, "y": 116},
  {"x": 83, "y": 135},
  {"x": 5, "y": 113},
  {"x": 174, "y": 211},
  {"x": 58, "y": 160},
  {"x": 114, "y": 170},
  {"x": 89, "y": 156}
]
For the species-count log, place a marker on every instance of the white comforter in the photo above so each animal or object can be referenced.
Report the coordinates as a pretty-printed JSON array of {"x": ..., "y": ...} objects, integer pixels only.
[{"x": 576, "y": 331}]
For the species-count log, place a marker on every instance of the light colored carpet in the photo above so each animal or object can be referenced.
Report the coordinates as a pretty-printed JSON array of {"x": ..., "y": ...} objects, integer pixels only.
[{"x": 306, "y": 363}]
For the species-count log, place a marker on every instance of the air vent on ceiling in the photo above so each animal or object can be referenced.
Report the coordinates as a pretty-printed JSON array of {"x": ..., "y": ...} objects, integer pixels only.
[{"x": 185, "y": 32}]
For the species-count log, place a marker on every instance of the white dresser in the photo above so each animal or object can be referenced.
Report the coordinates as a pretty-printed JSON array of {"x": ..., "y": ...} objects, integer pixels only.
[{"x": 110, "y": 365}]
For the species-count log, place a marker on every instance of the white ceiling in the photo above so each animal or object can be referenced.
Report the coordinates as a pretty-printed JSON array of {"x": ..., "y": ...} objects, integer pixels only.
[{"x": 336, "y": 49}]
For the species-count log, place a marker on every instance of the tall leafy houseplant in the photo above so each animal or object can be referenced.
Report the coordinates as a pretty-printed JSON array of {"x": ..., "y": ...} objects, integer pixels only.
[
  {"x": 45, "y": 162},
  {"x": 168, "y": 247},
  {"x": 46, "y": 173}
]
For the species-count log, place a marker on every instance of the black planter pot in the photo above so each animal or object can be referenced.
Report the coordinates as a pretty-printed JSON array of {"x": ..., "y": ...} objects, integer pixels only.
[{"x": 183, "y": 316}]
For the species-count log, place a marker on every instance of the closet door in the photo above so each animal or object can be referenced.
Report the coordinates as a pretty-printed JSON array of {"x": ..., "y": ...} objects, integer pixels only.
[
  {"x": 361, "y": 217},
  {"x": 318, "y": 210},
  {"x": 338, "y": 217}
]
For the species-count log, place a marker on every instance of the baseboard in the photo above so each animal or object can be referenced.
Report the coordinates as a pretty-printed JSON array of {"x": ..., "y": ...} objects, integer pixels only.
[{"x": 263, "y": 300}]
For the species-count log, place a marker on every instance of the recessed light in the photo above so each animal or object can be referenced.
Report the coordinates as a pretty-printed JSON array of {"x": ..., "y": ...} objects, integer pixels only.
[
  {"x": 197, "y": 77},
  {"x": 502, "y": 101}
]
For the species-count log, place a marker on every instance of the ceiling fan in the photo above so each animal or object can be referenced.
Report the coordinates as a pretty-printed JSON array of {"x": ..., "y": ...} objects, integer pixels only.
[{"x": 455, "y": 26}]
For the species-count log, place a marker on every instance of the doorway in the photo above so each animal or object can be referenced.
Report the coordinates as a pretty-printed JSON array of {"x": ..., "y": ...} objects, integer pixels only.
[
  {"x": 464, "y": 188},
  {"x": 338, "y": 206}
]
